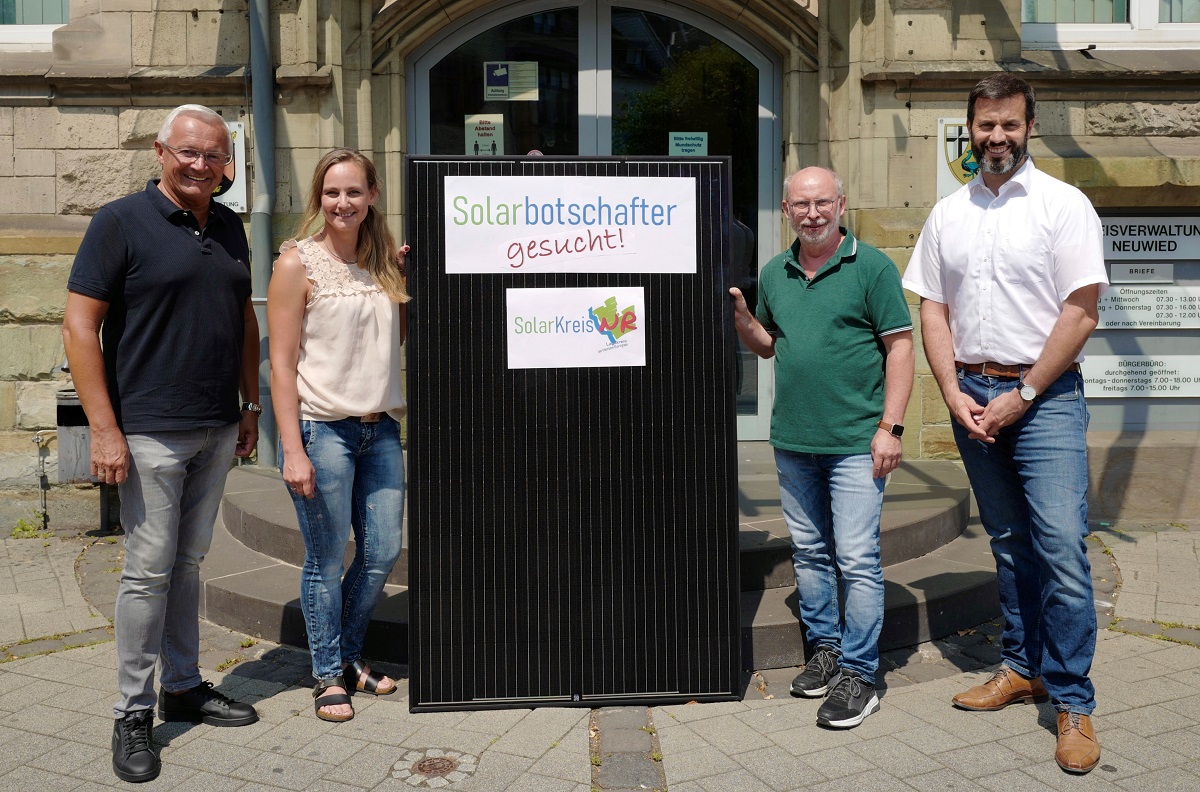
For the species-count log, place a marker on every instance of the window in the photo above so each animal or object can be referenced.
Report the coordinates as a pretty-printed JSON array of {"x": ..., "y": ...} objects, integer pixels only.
[
  {"x": 1110, "y": 24},
  {"x": 27, "y": 25}
]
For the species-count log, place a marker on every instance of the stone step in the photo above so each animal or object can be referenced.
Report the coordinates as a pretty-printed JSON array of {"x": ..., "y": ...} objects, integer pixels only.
[
  {"x": 953, "y": 588},
  {"x": 938, "y": 577},
  {"x": 925, "y": 506}
]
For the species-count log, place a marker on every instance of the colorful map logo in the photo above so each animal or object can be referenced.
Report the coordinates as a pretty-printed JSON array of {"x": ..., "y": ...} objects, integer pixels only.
[{"x": 613, "y": 323}]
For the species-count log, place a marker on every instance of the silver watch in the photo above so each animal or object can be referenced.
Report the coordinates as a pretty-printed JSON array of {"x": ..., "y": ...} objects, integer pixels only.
[
  {"x": 1028, "y": 392},
  {"x": 251, "y": 407}
]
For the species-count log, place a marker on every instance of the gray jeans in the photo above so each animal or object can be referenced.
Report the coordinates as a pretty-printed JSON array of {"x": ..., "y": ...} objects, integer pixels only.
[{"x": 168, "y": 506}]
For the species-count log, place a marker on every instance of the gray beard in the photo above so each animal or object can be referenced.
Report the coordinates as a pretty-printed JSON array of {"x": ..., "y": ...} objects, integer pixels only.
[
  {"x": 822, "y": 235},
  {"x": 1016, "y": 156}
]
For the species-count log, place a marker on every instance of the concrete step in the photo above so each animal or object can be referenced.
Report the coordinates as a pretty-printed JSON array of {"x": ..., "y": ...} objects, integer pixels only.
[
  {"x": 951, "y": 589},
  {"x": 925, "y": 506},
  {"x": 939, "y": 577}
]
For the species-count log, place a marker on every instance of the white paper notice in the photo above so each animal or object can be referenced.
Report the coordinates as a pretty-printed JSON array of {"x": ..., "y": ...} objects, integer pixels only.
[
  {"x": 518, "y": 224},
  {"x": 484, "y": 135},
  {"x": 576, "y": 328}
]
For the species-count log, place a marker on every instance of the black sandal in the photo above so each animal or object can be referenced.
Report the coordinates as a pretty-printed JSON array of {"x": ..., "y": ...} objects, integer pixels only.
[
  {"x": 371, "y": 685},
  {"x": 330, "y": 699}
]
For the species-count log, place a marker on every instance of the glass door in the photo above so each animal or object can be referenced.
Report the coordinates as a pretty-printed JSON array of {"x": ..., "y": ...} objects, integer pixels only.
[{"x": 598, "y": 78}]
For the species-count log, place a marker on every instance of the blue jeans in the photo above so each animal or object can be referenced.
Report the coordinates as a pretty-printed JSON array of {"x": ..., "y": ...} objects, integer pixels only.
[
  {"x": 168, "y": 505},
  {"x": 1031, "y": 487},
  {"x": 360, "y": 488},
  {"x": 831, "y": 504}
]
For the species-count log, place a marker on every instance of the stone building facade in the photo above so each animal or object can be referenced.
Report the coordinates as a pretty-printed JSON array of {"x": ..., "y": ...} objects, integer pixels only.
[{"x": 857, "y": 85}]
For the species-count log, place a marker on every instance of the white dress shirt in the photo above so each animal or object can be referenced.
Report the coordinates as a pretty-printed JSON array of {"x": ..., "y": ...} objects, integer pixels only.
[{"x": 1005, "y": 263}]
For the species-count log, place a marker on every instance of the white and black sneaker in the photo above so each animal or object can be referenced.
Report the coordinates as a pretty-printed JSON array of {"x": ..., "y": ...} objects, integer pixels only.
[
  {"x": 851, "y": 700},
  {"x": 818, "y": 675}
]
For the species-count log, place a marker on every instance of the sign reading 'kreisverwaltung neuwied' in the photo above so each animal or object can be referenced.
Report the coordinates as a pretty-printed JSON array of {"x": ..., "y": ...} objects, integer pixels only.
[{"x": 581, "y": 224}]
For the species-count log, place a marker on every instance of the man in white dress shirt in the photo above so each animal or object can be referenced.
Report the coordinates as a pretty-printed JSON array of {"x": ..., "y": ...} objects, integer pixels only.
[{"x": 1009, "y": 269}]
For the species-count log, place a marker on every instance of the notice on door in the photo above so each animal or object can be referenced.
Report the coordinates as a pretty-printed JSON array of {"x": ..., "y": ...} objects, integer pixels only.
[
  {"x": 1150, "y": 376},
  {"x": 510, "y": 81},
  {"x": 485, "y": 135},
  {"x": 689, "y": 144}
]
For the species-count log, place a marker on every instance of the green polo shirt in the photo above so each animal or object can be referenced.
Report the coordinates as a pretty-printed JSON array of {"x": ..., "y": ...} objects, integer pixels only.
[{"x": 828, "y": 353}]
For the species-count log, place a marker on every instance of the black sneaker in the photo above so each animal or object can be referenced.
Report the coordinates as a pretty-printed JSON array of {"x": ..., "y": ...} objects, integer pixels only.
[
  {"x": 203, "y": 704},
  {"x": 851, "y": 700},
  {"x": 134, "y": 759},
  {"x": 818, "y": 675}
]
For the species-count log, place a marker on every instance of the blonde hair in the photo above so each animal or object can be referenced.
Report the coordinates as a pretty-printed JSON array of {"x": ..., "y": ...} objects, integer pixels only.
[{"x": 376, "y": 248}]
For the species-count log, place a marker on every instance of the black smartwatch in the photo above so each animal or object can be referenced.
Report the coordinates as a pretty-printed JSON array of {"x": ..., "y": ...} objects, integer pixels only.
[{"x": 895, "y": 429}]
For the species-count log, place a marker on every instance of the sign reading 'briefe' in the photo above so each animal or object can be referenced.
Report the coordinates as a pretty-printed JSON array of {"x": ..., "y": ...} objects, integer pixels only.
[
  {"x": 569, "y": 224},
  {"x": 1152, "y": 238}
]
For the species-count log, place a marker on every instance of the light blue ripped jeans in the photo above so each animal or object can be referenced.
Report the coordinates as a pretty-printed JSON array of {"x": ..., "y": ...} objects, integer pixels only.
[{"x": 360, "y": 488}]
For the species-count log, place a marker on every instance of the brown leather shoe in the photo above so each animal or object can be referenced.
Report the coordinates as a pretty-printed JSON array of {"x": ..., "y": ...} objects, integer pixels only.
[
  {"x": 1005, "y": 687},
  {"x": 1078, "y": 751}
]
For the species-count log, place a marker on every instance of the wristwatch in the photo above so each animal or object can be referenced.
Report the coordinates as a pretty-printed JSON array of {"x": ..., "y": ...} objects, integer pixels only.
[
  {"x": 251, "y": 407},
  {"x": 895, "y": 429},
  {"x": 1028, "y": 392}
]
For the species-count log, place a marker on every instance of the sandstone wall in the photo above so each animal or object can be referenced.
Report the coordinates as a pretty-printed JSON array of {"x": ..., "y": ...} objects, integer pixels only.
[
  {"x": 77, "y": 126},
  {"x": 1123, "y": 134}
]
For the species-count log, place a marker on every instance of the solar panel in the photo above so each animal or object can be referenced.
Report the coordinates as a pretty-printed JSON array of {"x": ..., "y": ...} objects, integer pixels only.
[{"x": 573, "y": 512}]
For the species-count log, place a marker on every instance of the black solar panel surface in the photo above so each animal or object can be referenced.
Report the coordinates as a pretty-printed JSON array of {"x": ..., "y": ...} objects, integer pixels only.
[{"x": 573, "y": 530}]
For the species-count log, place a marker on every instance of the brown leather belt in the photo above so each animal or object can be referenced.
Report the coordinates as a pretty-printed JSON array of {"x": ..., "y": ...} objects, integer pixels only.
[
  {"x": 1002, "y": 371},
  {"x": 370, "y": 417}
]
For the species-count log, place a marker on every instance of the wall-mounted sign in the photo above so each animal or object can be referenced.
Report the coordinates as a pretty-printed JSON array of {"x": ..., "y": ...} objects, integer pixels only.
[
  {"x": 538, "y": 224},
  {"x": 1154, "y": 238},
  {"x": 576, "y": 328},
  {"x": 1142, "y": 272},
  {"x": 688, "y": 144},
  {"x": 510, "y": 81},
  {"x": 956, "y": 165},
  {"x": 234, "y": 193},
  {"x": 484, "y": 135},
  {"x": 1150, "y": 307},
  {"x": 1111, "y": 376}
]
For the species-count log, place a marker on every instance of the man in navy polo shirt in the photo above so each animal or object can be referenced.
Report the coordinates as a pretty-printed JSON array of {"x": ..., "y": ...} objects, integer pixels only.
[
  {"x": 832, "y": 314},
  {"x": 161, "y": 335}
]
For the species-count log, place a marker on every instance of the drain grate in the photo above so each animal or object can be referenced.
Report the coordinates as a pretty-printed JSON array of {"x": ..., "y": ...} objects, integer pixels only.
[{"x": 434, "y": 768}]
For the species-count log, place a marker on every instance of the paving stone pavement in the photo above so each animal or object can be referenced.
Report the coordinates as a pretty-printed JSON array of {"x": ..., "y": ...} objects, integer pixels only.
[{"x": 55, "y": 706}]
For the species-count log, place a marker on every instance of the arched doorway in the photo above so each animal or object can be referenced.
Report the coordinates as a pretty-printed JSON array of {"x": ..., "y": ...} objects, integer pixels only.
[{"x": 615, "y": 78}]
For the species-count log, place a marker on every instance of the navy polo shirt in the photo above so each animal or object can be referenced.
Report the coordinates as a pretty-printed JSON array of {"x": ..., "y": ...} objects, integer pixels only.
[{"x": 175, "y": 325}]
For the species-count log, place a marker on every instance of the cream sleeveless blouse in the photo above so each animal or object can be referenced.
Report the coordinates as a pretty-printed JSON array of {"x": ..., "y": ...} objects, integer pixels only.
[{"x": 349, "y": 361}]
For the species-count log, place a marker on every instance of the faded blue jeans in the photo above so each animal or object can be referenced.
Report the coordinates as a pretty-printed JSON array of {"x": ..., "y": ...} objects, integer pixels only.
[
  {"x": 832, "y": 504},
  {"x": 360, "y": 489},
  {"x": 1031, "y": 487},
  {"x": 168, "y": 506}
]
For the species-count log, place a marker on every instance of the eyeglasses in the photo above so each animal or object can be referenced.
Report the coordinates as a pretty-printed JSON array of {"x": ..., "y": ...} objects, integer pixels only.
[
  {"x": 823, "y": 205},
  {"x": 211, "y": 158}
]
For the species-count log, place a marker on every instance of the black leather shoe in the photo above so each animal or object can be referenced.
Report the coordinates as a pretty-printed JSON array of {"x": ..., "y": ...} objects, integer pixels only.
[
  {"x": 203, "y": 704},
  {"x": 134, "y": 759}
]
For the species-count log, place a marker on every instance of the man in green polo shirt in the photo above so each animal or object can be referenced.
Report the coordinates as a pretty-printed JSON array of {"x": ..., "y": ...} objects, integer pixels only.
[{"x": 833, "y": 315}]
